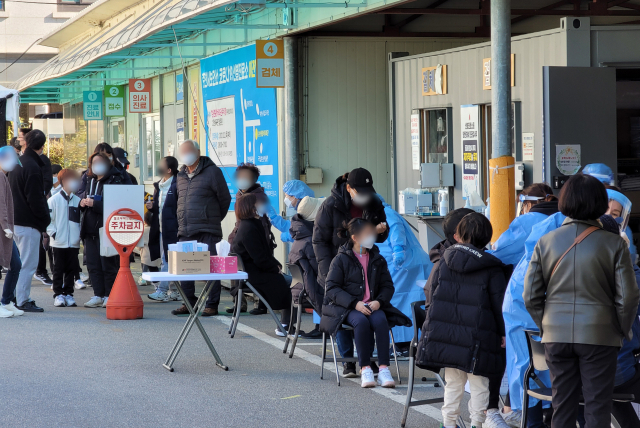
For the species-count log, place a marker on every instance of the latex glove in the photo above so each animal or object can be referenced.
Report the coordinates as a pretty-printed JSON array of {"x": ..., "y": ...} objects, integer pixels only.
[
  {"x": 399, "y": 256},
  {"x": 8, "y": 233}
]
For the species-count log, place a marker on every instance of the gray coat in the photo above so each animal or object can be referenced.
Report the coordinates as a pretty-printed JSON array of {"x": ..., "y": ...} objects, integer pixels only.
[
  {"x": 203, "y": 200},
  {"x": 592, "y": 297}
]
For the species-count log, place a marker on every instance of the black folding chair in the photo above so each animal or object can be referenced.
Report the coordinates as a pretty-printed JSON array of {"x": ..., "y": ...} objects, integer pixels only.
[
  {"x": 419, "y": 316},
  {"x": 537, "y": 361},
  {"x": 245, "y": 286},
  {"x": 297, "y": 278}
]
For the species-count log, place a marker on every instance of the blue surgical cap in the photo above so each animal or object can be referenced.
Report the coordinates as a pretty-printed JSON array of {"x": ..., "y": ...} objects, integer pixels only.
[
  {"x": 298, "y": 189},
  {"x": 600, "y": 171}
]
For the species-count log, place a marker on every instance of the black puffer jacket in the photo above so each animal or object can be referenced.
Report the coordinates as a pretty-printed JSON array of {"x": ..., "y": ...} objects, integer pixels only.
[
  {"x": 345, "y": 288},
  {"x": 29, "y": 200},
  {"x": 203, "y": 200},
  {"x": 91, "y": 218},
  {"x": 169, "y": 220},
  {"x": 464, "y": 325},
  {"x": 302, "y": 254},
  {"x": 258, "y": 191},
  {"x": 333, "y": 212},
  {"x": 435, "y": 255}
]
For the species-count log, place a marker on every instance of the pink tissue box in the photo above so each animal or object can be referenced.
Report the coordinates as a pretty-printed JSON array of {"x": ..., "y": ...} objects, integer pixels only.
[{"x": 221, "y": 264}]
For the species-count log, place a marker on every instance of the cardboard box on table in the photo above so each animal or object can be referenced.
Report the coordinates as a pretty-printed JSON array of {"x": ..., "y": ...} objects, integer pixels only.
[{"x": 191, "y": 263}]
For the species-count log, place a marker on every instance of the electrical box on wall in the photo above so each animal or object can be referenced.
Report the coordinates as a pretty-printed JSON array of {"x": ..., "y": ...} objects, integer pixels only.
[
  {"x": 312, "y": 176},
  {"x": 437, "y": 175},
  {"x": 519, "y": 176}
]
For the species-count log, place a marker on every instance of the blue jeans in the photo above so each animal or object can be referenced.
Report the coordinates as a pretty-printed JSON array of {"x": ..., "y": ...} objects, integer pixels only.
[
  {"x": 164, "y": 285},
  {"x": 11, "y": 279},
  {"x": 344, "y": 340},
  {"x": 534, "y": 416}
]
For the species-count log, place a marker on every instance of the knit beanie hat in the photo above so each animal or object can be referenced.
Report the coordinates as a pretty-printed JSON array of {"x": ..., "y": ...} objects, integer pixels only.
[{"x": 308, "y": 208}]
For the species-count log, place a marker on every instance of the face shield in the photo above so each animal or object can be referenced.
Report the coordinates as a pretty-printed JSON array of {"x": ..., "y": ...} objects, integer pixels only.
[
  {"x": 619, "y": 208},
  {"x": 522, "y": 198}
]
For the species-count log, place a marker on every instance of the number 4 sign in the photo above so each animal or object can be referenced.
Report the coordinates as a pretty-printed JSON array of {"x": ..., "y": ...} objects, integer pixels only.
[
  {"x": 270, "y": 63},
  {"x": 139, "y": 95}
]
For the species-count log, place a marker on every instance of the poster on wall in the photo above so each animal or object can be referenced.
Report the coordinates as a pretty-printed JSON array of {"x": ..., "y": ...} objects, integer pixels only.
[
  {"x": 568, "y": 159},
  {"x": 471, "y": 150},
  {"x": 415, "y": 141},
  {"x": 528, "y": 144},
  {"x": 240, "y": 119}
]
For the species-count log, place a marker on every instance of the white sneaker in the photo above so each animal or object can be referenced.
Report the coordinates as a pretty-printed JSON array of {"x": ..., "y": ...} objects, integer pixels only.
[
  {"x": 280, "y": 333},
  {"x": 79, "y": 285},
  {"x": 385, "y": 379},
  {"x": 83, "y": 276},
  {"x": 175, "y": 296},
  {"x": 513, "y": 418},
  {"x": 59, "y": 301},
  {"x": 494, "y": 420},
  {"x": 51, "y": 287},
  {"x": 104, "y": 302},
  {"x": 4, "y": 313},
  {"x": 70, "y": 301},
  {"x": 159, "y": 296},
  {"x": 95, "y": 302},
  {"x": 12, "y": 308},
  {"x": 368, "y": 381}
]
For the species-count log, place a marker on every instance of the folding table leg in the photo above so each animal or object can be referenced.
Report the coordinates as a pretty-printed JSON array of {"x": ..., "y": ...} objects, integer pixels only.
[{"x": 234, "y": 321}]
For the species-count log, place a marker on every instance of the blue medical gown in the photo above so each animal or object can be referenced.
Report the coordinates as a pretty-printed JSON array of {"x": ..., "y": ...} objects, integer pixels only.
[
  {"x": 416, "y": 266},
  {"x": 509, "y": 248},
  {"x": 517, "y": 318}
]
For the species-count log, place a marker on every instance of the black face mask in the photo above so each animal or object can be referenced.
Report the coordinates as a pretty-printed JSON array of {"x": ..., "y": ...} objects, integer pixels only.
[{"x": 161, "y": 172}]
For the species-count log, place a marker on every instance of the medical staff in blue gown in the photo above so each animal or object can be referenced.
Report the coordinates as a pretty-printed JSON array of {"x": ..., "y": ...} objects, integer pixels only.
[
  {"x": 517, "y": 319},
  {"x": 408, "y": 263},
  {"x": 537, "y": 202},
  {"x": 294, "y": 191},
  {"x": 620, "y": 209}
]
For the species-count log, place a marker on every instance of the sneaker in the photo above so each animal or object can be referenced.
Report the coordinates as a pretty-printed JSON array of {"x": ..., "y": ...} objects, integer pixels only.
[
  {"x": 59, "y": 301},
  {"x": 513, "y": 418},
  {"x": 159, "y": 296},
  {"x": 142, "y": 282},
  {"x": 175, "y": 296},
  {"x": 279, "y": 332},
  {"x": 51, "y": 287},
  {"x": 80, "y": 285},
  {"x": 104, "y": 302},
  {"x": 385, "y": 379},
  {"x": 313, "y": 334},
  {"x": 94, "y": 302},
  {"x": 30, "y": 306},
  {"x": 349, "y": 370},
  {"x": 43, "y": 278},
  {"x": 368, "y": 381},
  {"x": 209, "y": 312},
  {"x": 12, "y": 308},
  {"x": 70, "y": 301},
  {"x": 83, "y": 277},
  {"x": 494, "y": 420},
  {"x": 181, "y": 311},
  {"x": 5, "y": 313}
]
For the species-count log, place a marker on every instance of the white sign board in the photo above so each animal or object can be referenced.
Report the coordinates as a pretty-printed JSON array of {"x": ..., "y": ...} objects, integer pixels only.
[
  {"x": 117, "y": 196},
  {"x": 415, "y": 141},
  {"x": 471, "y": 150},
  {"x": 568, "y": 159},
  {"x": 528, "y": 144},
  {"x": 221, "y": 123}
]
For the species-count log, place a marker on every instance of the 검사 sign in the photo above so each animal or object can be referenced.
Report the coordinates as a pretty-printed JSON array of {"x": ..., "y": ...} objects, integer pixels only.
[
  {"x": 139, "y": 95},
  {"x": 270, "y": 63},
  {"x": 114, "y": 100},
  {"x": 471, "y": 151},
  {"x": 92, "y": 105}
]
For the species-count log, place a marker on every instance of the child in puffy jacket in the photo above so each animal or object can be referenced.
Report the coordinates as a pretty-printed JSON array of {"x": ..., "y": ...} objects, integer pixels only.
[{"x": 64, "y": 233}]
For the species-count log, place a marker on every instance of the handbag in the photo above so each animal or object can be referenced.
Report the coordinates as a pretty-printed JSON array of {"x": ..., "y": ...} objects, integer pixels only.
[
  {"x": 106, "y": 249},
  {"x": 578, "y": 240}
]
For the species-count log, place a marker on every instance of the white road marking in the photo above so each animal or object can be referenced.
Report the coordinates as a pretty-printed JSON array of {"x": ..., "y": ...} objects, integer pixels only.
[{"x": 428, "y": 410}]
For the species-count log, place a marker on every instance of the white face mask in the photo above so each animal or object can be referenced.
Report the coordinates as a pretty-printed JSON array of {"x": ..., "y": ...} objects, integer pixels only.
[
  {"x": 288, "y": 202},
  {"x": 243, "y": 183},
  {"x": 189, "y": 158},
  {"x": 360, "y": 200},
  {"x": 99, "y": 169},
  {"x": 9, "y": 163},
  {"x": 55, "y": 179},
  {"x": 368, "y": 242},
  {"x": 73, "y": 186}
]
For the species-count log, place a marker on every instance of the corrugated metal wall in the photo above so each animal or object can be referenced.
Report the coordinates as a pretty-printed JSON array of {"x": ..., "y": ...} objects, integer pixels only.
[
  {"x": 465, "y": 87},
  {"x": 347, "y": 123}
]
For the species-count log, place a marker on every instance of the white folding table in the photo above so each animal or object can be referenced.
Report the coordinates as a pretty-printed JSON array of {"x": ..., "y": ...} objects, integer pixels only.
[{"x": 195, "y": 311}]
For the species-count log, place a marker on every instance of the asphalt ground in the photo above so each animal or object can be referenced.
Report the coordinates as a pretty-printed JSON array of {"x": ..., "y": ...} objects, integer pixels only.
[{"x": 71, "y": 367}]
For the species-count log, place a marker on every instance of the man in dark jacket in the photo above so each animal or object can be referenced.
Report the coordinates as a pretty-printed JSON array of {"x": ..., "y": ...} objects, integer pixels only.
[
  {"x": 203, "y": 202},
  {"x": 121, "y": 162},
  {"x": 31, "y": 214},
  {"x": 352, "y": 196}
]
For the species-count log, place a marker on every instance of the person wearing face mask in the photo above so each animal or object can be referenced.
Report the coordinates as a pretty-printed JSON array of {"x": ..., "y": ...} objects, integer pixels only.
[
  {"x": 102, "y": 270},
  {"x": 294, "y": 191},
  {"x": 620, "y": 209},
  {"x": 31, "y": 214},
  {"x": 358, "y": 292},
  {"x": 64, "y": 232},
  {"x": 203, "y": 202},
  {"x": 9, "y": 255},
  {"x": 45, "y": 252},
  {"x": 352, "y": 196},
  {"x": 121, "y": 162},
  {"x": 252, "y": 246},
  {"x": 164, "y": 223}
]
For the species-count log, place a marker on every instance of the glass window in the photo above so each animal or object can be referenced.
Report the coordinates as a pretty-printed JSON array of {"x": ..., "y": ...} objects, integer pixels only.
[
  {"x": 117, "y": 133},
  {"x": 435, "y": 136},
  {"x": 168, "y": 88},
  {"x": 153, "y": 146}
]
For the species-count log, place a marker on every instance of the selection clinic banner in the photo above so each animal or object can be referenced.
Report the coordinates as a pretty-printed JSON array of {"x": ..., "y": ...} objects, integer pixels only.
[{"x": 240, "y": 119}]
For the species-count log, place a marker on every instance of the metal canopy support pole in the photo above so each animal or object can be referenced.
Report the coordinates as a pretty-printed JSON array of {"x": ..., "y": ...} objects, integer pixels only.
[
  {"x": 501, "y": 166},
  {"x": 292, "y": 158}
]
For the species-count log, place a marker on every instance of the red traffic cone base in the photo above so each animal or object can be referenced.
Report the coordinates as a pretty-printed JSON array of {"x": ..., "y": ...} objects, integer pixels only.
[{"x": 124, "y": 301}]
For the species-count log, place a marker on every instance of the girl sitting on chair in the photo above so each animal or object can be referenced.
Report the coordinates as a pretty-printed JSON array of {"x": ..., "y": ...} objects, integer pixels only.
[{"x": 358, "y": 291}]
